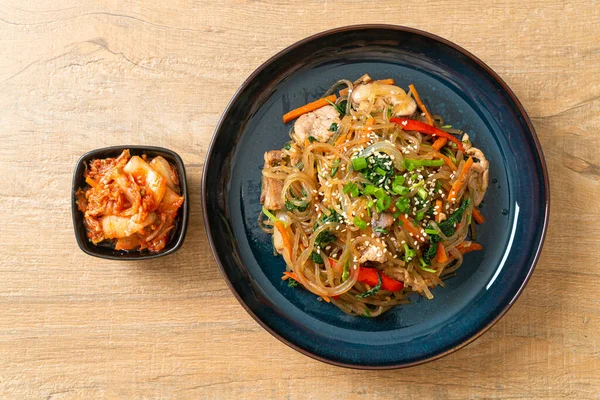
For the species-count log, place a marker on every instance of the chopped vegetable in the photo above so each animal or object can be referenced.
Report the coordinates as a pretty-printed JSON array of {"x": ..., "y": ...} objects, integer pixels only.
[
  {"x": 360, "y": 223},
  {"x": 289, "y": 275},
  {"x": 316, "y": 257},
  {"x": 441, "y": 255},
  {"x": 370, "y": 276},
  {"x": 333, "y": 127},
  {"x": 469, "y": 248},
  {"x": 381, "y": 230},
  {"x": 439, "y": 143},
  {"x": 479, "y": 218},
  {"x": 448, "y": 226},
  {"x": 315, "y": 105},
  {"x": 351, "y": 188},
  {"x": 461, "y": 180},
  {"x": 413, "y": 125},
  {"x": 423, "y": 266},
  {"x": 359, "y": 163},
  {"x": 287, "y": 146},
  {"x": 269, "y": 215},
  {"x": 421, "y": 104},
  {"x": 422, "y": 193},
  {"x": 410, "y": 228},
  {"x": 411, "y": 164},
  {"x": 383, "y": 203},
  {"x": 312, "y": 139},
  {"x": 292, "y": 282},
  {"x": 372, "y": 291},
  {"x": 335, "y": 166},
  {"x": 419, "y": 216},
  {"x": 346, "y": 272},
  {"x": 408, "y": 253}
]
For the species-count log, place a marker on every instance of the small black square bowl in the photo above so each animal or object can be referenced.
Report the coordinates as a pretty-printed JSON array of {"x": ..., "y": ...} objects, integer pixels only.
[{"x": 105, "y": 251}]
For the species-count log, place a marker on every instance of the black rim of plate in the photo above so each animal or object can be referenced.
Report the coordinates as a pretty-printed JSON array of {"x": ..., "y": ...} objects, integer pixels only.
[{"x": 474, "y": 59}]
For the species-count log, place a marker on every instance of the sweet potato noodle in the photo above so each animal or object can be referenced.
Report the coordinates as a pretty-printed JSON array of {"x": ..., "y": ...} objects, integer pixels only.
[
  {"x": 130, "y": 202},
  {"x": 373, "y": 197}
]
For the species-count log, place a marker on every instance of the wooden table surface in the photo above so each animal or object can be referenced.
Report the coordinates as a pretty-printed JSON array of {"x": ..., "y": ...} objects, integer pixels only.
[{"x": 76, "y": 75}]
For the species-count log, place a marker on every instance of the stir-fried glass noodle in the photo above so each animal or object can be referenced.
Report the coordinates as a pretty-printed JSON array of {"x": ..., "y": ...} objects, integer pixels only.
[{"x": 373, "y": 197}]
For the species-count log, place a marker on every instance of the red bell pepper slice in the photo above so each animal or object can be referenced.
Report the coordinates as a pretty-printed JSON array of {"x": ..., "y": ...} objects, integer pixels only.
[
  {"x": 369, "y": 276},
  {"x": 413, "y": 125}
]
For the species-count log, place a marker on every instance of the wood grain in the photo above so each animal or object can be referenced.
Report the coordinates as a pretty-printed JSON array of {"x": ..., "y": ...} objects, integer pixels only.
[{"x": 81, "y": 74}]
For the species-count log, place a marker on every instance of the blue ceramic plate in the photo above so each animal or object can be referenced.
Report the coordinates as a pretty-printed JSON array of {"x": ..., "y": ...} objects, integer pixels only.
[{"x": 456, "y": 85}]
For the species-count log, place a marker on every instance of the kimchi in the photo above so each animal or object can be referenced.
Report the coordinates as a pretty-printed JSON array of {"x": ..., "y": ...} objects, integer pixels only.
[{"x": 131, "y": 202}]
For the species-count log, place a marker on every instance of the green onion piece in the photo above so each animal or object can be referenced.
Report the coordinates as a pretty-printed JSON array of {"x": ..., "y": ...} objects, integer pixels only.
[
  {"x": 312, "y": 139},
  {"x": 370, "y": 204},
  {"x": 423, "y": 266},
  {"x": 359, "y": 163},
  {"x": 401, "y": 190},
  {"x": 346, "y": 272},
  {"x": 438, "y": 186},
  {"x": 411, "y": 164},
  {"x": 408, "y": 253},
  {"x": 446, "y": 126},
  {"x": 398, "y": 180},
  {"x": 287, "y": 146},
  {"x": 381, "y": 230},
  {"x": 333, "y": 127},
  {"x": 420, "y": 215},
  {"x": 402, "y": 205},
  {"x": 360, "y": 223},
  {"x": 269, "y": 215},
  {"x": 383, "y": 203},
  {"x": 367, "y": 313},
  {"x": 414, "y": 177},
  {"x": 351, "y": 188},
  {"x": 292, "y": 283},
  {"x": 422, "y": 193},
  {"x": 380, "y": 171},
  {"x": 335, "y": 166},
  {"x": 448, "y": 152},
  {"x": 370, "y": 189},
  {"x": 431, "y": 232},
  {"x": 289, "y": 205}
]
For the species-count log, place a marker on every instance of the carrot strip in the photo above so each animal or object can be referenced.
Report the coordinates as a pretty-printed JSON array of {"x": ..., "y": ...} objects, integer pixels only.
[
  {"x": 341, "y": 139},
  {"x": 420, "y": 104},
  {"x": 287, "y": 242},
  {"x": 344, "y": 92},
  {"x": 326, "y": 299},
  {"x": 440, "y": 254},
  {"x": 461, "y": 180},
  {"x": 308, "y": 108},
  {"x": 287, "y": 275},
  {"x": 411, "y": 228},
  {"x": 447, "y": 160},
  {"x": 477, "y": 216},
  {"x": 369, "y": 124},
  {"x": 438, "y": 209},
  {"x": 439, "y": 143},
  {"x": 389, "y": 81},
  {"x": 467, "y": 249}
]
